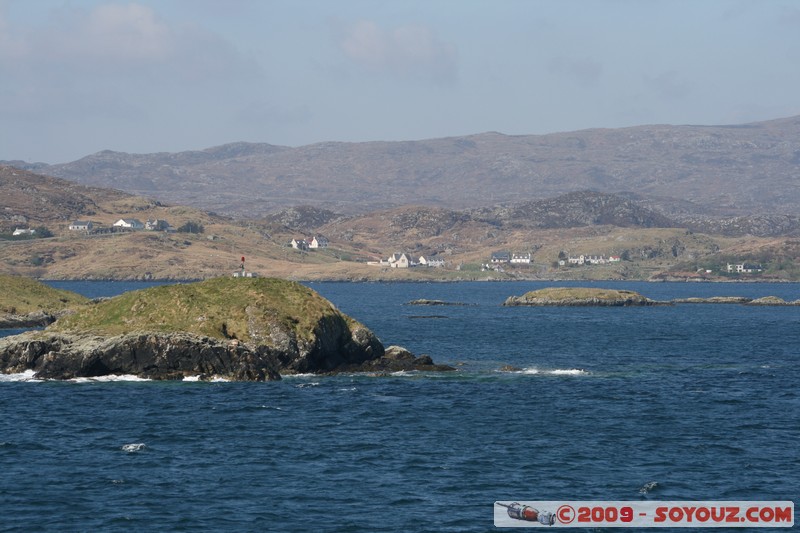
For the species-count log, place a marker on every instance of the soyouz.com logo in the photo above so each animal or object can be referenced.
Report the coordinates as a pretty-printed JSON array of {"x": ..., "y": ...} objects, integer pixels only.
[{"x": 644, "y": 514}]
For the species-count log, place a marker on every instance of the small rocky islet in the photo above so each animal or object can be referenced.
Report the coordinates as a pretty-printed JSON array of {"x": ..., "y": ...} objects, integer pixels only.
[
  {"x": 581, "y": 297},
  {"x": 596, "y": 297},
  {"x": 244, "y": 329}
]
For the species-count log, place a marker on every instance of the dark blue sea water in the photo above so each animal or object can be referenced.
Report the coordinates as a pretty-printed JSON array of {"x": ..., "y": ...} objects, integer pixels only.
[{"x": 692, "y": 401}]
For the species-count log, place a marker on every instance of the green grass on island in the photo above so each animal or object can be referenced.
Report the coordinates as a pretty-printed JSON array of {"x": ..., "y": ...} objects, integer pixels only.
[
  {"x": 20, "y": 295},
  {"x": 556, "y": 294},
  {"x": 224, "y": 308},
  {"x": 561, "y": 293}
]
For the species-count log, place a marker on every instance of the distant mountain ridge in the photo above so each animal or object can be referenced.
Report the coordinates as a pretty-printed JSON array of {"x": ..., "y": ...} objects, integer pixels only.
[{"x": 735, "y": 170}]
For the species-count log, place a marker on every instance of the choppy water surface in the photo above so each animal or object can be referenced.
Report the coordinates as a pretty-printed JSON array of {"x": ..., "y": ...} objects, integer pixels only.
[{"x": 668, "y": 403}]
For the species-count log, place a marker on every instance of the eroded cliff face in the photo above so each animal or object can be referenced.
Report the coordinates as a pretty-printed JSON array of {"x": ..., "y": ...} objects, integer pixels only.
[
  {"x": 147, "y": 355},
  {"x": 175, "y": 355}
]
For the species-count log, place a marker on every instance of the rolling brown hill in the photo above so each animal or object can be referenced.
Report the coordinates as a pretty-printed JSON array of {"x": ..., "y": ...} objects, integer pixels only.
[
  {"x": 583, "y": 222},
  {"x": 737, "y": 170},
  {"x": 30, "y": 199}
]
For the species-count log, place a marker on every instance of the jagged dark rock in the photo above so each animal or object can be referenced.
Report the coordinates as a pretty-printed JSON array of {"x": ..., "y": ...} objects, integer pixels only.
[
  {"x": 30, "y": 320},
  {"x": 147, "y": 355},
  {"x": 397, "y": 359}
]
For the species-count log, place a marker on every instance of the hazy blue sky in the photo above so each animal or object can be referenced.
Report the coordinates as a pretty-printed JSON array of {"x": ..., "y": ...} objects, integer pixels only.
[{"x": 79, "y": 76}]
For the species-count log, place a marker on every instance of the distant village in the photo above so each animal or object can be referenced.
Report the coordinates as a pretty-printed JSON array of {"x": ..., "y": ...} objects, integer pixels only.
[
  {"x": 496, "y": 262},
  {"x": 89, "y": 227},
  {"x": 123, "y": 224},
  {"x": 396, "y": 260},
  {"x": 498, "y": 259}
]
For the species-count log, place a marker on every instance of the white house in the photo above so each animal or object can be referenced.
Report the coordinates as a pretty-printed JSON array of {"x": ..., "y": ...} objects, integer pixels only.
[
  {"x": 744, "y": 268},
  {"x": 400, "y": 261},
  {"x": 23, "y": 231},
  {"x": 593, "y": 260},
  {"x": 129, "y": 223},
  {"x": 81, "y": 225},
  {"x": 156, "y": 225},
  {"x": 430, "y": 262},
  {"x": 299, "y": 244},
  {"x": 521, "y": 258},
  {"x": 318, "y": 241}
]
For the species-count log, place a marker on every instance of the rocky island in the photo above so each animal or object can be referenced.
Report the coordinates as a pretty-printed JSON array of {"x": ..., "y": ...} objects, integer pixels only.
[
  {"x": 240, "y": 329},
  {"x": 592, "y": 297},
  {"x": 580, "y": 296},
  {"x": 27, "y": 303}
]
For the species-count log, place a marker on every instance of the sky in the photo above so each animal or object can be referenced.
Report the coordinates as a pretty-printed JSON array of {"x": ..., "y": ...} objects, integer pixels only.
[{"x": 81, "y": 76}]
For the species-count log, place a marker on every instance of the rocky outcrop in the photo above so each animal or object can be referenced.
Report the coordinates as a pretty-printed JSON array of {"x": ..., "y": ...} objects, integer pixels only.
[
  {"x": 772, "y": 300},
  {"x": 713, "y": 300},
  {"x": 397, "y": 359},
  {"x": 580, "y": 297},
  {"x": 765, "y": 300},
  {"x": 425, "y": 301},
  {"x": 251, "y": 330},
  {"x": 30, "y": 320},
  {"x": 147, "y": 355},
  {"x": 583, "y": 297},
  {"x": 175, "y": 356}
]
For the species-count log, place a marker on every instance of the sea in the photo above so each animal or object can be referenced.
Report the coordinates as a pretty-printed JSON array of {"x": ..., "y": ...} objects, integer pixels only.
[{"x": 682, "y": 402}]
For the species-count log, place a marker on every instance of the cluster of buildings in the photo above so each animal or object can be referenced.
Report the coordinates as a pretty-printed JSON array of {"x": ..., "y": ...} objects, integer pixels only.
[
  {"x": 589, "y": 260},
  {"x": 498, "y": 259},
  {"x": 743, "y": 268},
  {"x": 402, "y": 260},
  {"x": 507, "y": 257},
  {"x": 124, "y": 223},
  {"x": 317, "y": 241}
]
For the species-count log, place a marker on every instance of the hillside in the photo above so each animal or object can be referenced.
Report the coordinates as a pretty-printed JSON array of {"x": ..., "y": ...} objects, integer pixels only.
[
  {"x": 581, "y": 223},
  {"x": 734, "y": 170},
  {"x": 21, "y": 296},
  {"x": 30, "y": 199}
]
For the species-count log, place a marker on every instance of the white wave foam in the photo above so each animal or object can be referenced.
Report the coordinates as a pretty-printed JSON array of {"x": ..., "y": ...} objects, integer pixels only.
[
  {"x": 530, "y": 371},
  {"x": 109, "y": 378},
  {"x": 293, "y": 376},
  {"x": 28, "y": 375},
  {"x": 304, "y": 385},
  {"x": 133, "y": 447},
  {"x": 197, "y": 378},
  {"x": 569, "y": 372},
  {"x": 404, "y": 373}
]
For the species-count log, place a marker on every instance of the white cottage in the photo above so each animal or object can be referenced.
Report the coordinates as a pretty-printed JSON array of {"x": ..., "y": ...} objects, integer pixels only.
[{"x": 129, "y": 223}]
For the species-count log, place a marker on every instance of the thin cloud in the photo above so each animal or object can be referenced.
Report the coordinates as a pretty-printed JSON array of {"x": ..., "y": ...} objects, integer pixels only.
[
  {"x": 109, "y": 32},
  {"x": 668, "y": 85},
  {"x": 124, "y": 40},
  {"x": 412, "y": 52},
  {"x": 584, "y": 71}
]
